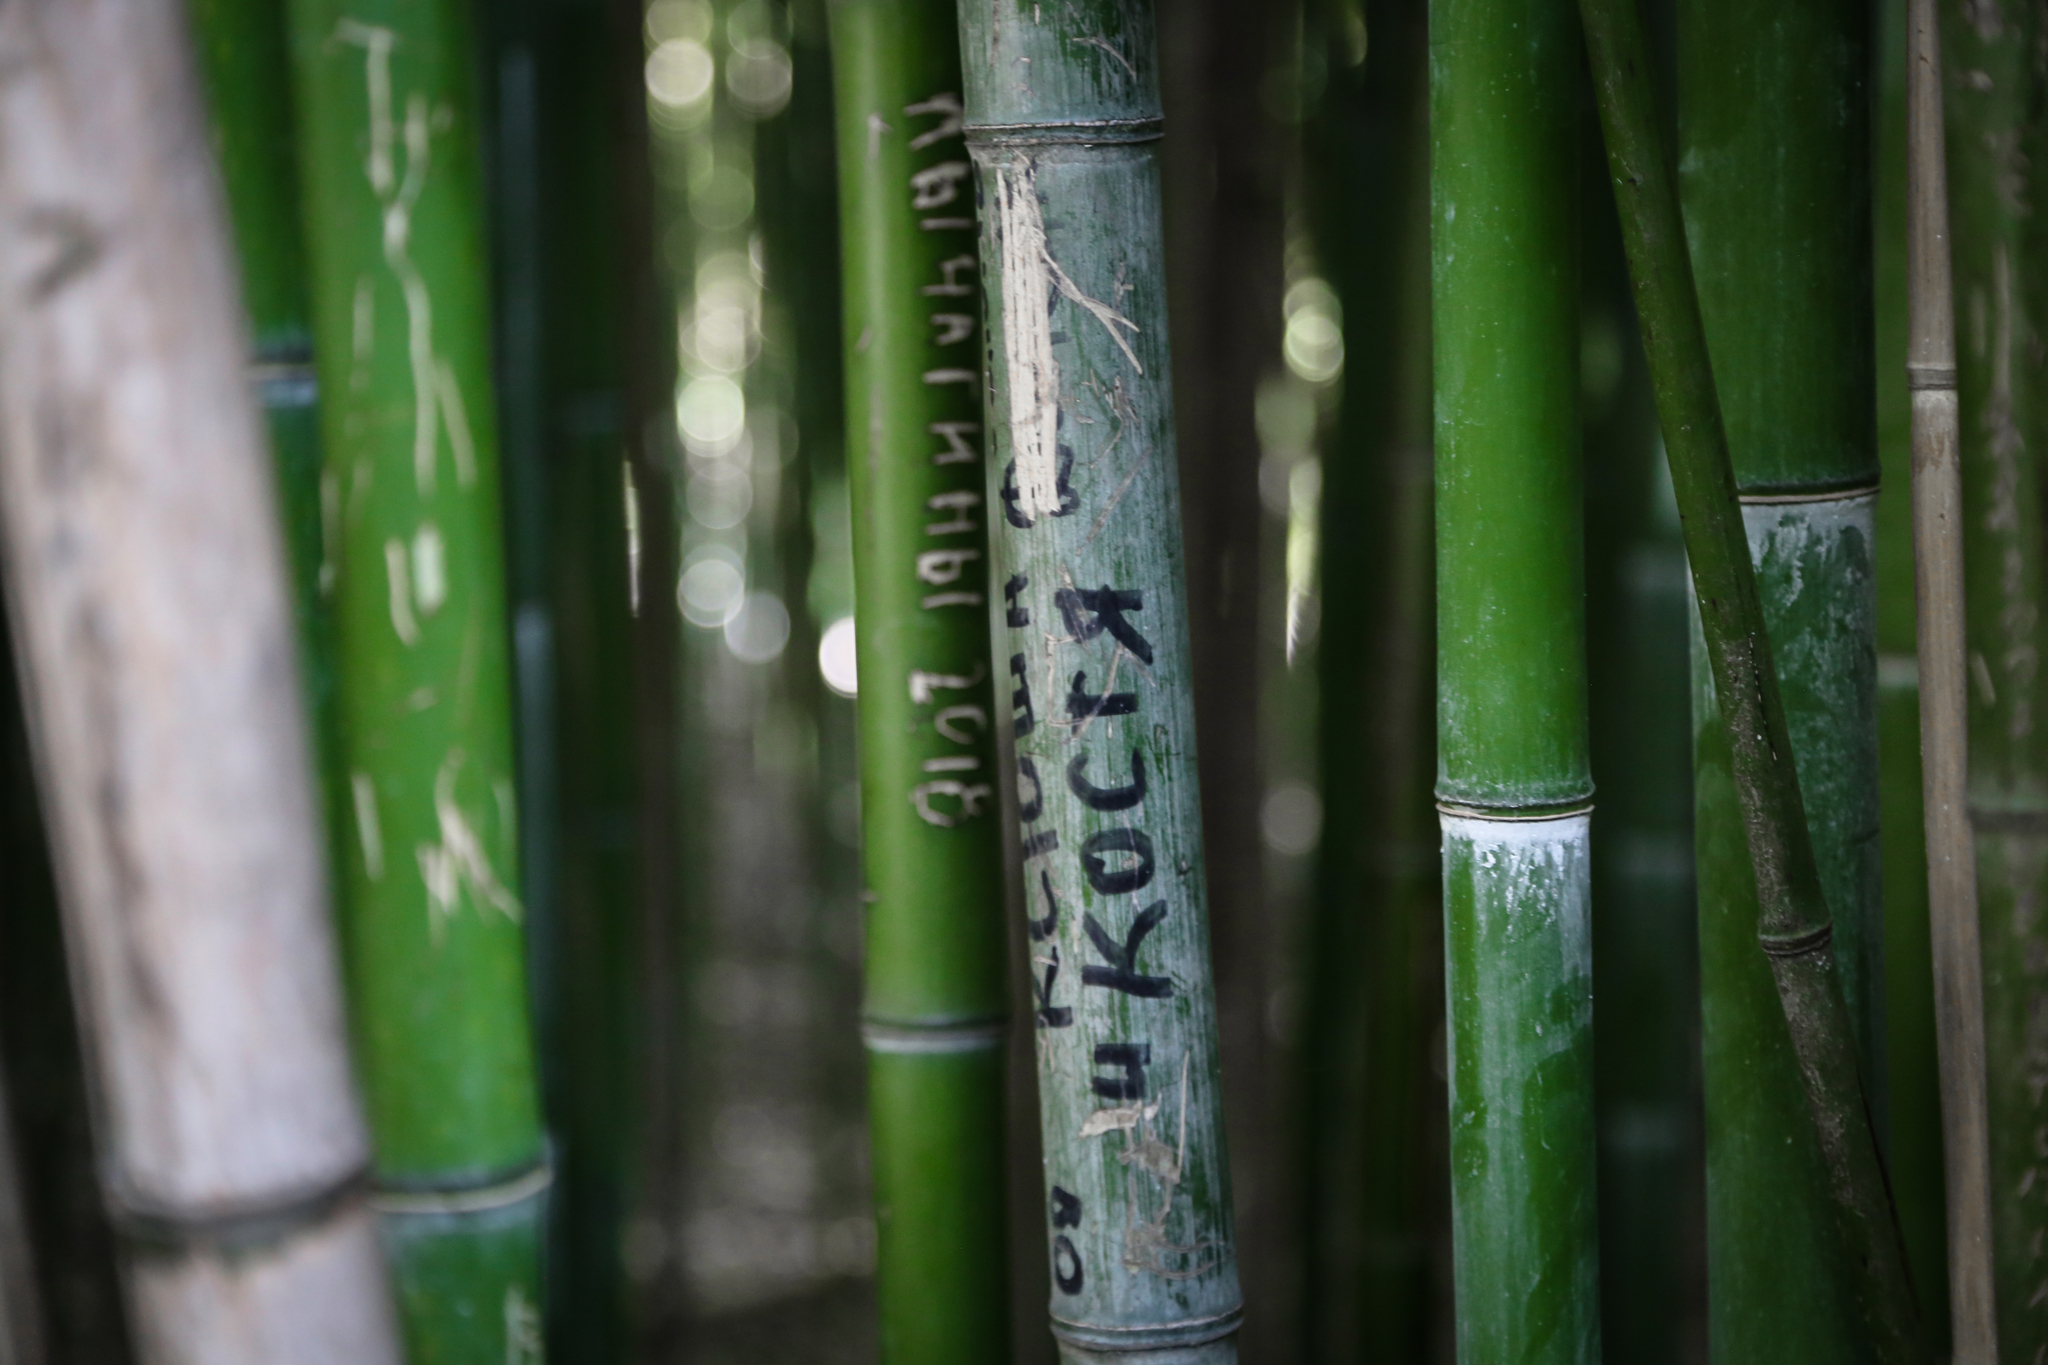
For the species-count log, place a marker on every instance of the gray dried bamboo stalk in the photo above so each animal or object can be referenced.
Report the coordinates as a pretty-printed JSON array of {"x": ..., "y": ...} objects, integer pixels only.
[
  {"x": 147, "y": 578},
  {"x": 1944, "y": 701}
]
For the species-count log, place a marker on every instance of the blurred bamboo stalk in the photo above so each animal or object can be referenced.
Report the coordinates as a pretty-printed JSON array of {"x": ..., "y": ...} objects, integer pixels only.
[
  {"x": 1513, "y": 784},
  {"x": 1944, "y": 704},
  {"x": 936, "y": 990},
  {"x": 1793, "y": 925},
  {"x": 432, "y": 912},
  {"x": 1979, "y": 75},
  {"x": 1913, "y": 1158},
  {"x": 1373, "y": 1194},
  {"x": 1081, "y": 468},
  {"x": 152, "y": 614}
]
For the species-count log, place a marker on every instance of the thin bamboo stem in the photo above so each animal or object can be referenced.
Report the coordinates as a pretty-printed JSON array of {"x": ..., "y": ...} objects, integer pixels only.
[
  {"x": 1513, "y": 782},
  {"x": 931, "y": 826},
  {"x": 432, "y": 912},
  {"x": 1794, "y": 927},
  {"x": 1093, "y": 620},
  {"x": 1944, "y": 702},
  {"x": 152, "y": 616},
  {"x": 1913, "y": 1157}
]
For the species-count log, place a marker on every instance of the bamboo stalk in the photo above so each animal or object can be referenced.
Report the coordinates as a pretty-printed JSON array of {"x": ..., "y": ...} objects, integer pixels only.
[
  {"x": 931, "y": 827},
  {"x": 1777, "y": 212},
  {"x": 1982, "y": 485},
  {"x": 1093, "y": 620},
  {"x": 432, "y": 912},
  {"x": 1944, "y": 704},
  {"x": 1513, "y": 784},
  {"x": 152, "y": 619},
  {"x": 1793, "y": 924},
  {"x": 1373, "y": 1191},
  {"x": 1913, "y": 1157}
]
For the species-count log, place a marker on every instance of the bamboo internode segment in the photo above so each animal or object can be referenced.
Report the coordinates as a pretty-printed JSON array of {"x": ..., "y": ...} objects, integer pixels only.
[
  {"x": 1093, "y": 622},
  {"x": 1792, "y": 912},
  {"x": 153, "y": 620},
  {"x": 931, "y": 820},
  {"x": 1513, "y": 785},
  {"x": 388, "y": 134},
  {"x": 1997, "y": 91}
]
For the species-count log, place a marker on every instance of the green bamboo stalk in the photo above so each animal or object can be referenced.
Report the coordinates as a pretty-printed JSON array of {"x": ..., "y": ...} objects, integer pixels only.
[
  {"x": 243, "y": 52},
  {"x": 1373, "y": 1193},
  {"x": 1644, "y": 930},
  {"x": 1997, "y": 131},
  {"x": 431, "y": 909},
  {"x": 1093, "y": 619},
  {"x": 931, "y": 827},
  {"x": 1777, "y": 214},
  {"x": 1914, "y": 1155},
  {"x": 1793, "y": 923},
  {"x": 1513, "y": 784}
]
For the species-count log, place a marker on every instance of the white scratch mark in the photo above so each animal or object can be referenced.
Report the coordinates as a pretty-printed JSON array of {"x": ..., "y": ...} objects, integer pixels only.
[
  {"x": 397, "y": 197},
  {"x": 523, "y": 1345},
  {"x": 367, "y": 827},
  {"x": 456, "y": 418},
  {"x": 458, "y": 859},
  {"x": 1103, "y": 45},
  {"x": 875, "y": 130},
  {"x": 400, "y": 593},
  {"x": 1119, "y": 1119},
  {"x": 632, "y": 504},
  {"x": 947, "y": 107},
  {"x": 1033, "y": 374},
  {"x": 1103, "y": 313},
  {"x": 429, "y": 569}
]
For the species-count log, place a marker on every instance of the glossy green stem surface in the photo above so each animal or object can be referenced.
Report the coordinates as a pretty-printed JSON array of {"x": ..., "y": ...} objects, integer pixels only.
[
  {"x": 1756, "y": 745},
  {"x": 931, "y": 824},
  {"x": 1777, "y": 216},
  {"x": 1512, "y": 774},
  {"x": 430, "y": 887},
  {"x": 1092, "y": 622},
  {"x": 1373, "y": 1187},
  {"x": 1997, "y": 134}
]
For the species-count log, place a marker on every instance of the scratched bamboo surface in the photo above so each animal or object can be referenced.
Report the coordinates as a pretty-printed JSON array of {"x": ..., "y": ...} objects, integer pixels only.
[
  {"x": 931, "y": 822},
  {"x": 430, "y": 888},
  {"x": 1081, "y": 469},
  {"x": 1993, "y": 91},
  {"x": 152, "y": 613}
]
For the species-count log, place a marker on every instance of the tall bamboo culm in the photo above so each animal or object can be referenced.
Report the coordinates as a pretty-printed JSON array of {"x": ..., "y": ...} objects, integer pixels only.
[
  {"x": 431, "y": 907},
  {"x": 1092, "y": 622},
  {"x": 1912, "y": 1080},
  {"x": 1372, "y": 1191},
  {"x": 931, "y": 824},
  {"x": 1792, "y": 925},
  {"x": 1513, "y": 785},
  {"x": 153, "y": 621},
  {"x": 1994, "y": 92},
  {"x": 1778, "y": 215}
]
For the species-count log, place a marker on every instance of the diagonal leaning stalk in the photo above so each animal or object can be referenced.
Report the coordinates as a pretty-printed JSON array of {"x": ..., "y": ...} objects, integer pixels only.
[
  {"x": 1092, "y": 620},
  {"x": 1793, "y": 924}
]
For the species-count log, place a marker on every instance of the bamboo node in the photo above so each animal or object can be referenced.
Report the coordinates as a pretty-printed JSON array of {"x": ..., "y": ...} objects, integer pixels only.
[{"x": 1785, "y": 946}]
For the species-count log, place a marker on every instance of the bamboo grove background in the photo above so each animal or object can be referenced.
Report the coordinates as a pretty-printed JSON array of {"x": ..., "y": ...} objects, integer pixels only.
[{"x": 629, "y": 420}]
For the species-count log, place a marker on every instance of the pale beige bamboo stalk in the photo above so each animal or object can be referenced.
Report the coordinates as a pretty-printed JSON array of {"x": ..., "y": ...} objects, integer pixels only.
[
  {"x": 1938, "y": 597},
  {"x": 146, "y": 574}
]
